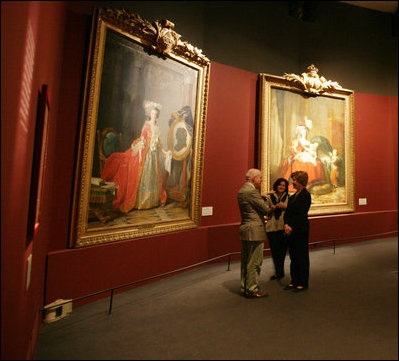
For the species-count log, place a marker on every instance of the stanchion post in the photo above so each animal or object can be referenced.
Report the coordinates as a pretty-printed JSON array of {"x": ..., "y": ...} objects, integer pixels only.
[
  {"x": 110, "y": 301},
  {"x": 245, "y": 272}
]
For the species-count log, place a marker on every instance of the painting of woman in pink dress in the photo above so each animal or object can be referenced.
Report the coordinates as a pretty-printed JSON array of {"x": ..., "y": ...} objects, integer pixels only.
[{"x": 303, "y": 157}]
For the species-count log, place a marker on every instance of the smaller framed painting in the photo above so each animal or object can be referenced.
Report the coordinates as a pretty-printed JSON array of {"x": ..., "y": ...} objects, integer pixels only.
[
  {"x": 38, "y": 164},
  {"x": 306, "y": 123}
]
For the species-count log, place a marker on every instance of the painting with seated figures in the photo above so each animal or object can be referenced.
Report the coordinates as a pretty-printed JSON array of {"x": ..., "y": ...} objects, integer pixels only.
[{"x": 306, "y": 124}]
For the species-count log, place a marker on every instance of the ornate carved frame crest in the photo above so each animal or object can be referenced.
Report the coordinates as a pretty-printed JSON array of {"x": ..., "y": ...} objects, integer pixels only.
[
  {"x": 311, "y": 83},
  {"x": 161, "y": 37}
]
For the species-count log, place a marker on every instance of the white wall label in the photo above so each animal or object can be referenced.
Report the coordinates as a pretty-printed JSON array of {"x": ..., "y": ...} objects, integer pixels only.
[
  {"x": 207, "y": 211},
  {"x": 362, "y": 201}
]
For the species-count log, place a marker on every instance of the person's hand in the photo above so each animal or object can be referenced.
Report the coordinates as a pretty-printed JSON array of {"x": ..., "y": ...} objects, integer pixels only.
[
  {"x": 287, "y": 229},
  {"x": 265, "y": 218},
  {"x": 265, "y": 195},
  {"x": 273, "y": 207},
  {"x": 281, "y": 205}
]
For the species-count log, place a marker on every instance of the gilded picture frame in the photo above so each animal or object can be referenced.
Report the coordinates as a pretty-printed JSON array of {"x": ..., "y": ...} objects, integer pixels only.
[
  {"x": 142, "y": 136},
  {"x": 307, "y": 123}
]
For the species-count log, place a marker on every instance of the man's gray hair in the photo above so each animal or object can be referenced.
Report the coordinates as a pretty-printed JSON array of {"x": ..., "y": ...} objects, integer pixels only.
[{"x": 252, "y": 173}]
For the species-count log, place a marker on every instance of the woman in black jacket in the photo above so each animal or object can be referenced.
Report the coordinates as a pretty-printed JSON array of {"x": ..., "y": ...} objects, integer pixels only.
[{"x": 296, "y": 228}]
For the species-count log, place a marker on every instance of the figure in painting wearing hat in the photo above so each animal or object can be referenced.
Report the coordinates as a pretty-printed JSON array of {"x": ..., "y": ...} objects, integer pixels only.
[{"x": 180, "y": 144}]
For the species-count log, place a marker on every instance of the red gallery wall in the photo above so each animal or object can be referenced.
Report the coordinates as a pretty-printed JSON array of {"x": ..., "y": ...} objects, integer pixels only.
[
  {"x": 32, "y": 45},
  {"x": 59, "y": 35}
]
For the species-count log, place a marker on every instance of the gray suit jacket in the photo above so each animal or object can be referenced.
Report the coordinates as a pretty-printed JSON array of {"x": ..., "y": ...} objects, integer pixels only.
[{"x": 252, "y": 209}]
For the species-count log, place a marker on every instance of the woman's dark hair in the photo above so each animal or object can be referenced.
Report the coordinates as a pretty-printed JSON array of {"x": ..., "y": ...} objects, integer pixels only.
[{"x": 277, "y": 183}]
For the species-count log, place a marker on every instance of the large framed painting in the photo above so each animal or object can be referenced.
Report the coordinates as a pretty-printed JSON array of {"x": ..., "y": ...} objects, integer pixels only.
[
  {"x": 139, "y": 165},
  {"x": 306, "y": 123}
]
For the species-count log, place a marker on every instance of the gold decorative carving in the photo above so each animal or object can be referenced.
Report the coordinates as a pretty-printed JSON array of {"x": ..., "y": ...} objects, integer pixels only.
[
  {"x": 161, "y": 37},
  {"x": 187, "y": 50},
  {"x": 167, "y": 38},
  {"x": 130, "y": 22},
  {"x": 311, "y": 82}
]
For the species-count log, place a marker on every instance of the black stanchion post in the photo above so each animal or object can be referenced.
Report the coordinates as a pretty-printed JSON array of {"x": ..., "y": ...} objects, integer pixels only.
[{"x": 110, "y": 301}]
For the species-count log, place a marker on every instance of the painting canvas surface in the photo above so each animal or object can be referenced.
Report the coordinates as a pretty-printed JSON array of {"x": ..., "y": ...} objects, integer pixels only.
[
  {"x": 308, "y": 134},
  {"x": 132, "y": 82}
]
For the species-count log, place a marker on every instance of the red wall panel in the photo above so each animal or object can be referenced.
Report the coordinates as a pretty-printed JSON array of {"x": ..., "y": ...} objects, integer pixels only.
[
  {"x": 229, "y": 146},
  {"x": 376, "y": 160},
  {"x": 32, "y": 43},
  {"x": 66, "y": 131},
  {"x": 12, "y": 251},
  {"x": 393, "y": 108}
]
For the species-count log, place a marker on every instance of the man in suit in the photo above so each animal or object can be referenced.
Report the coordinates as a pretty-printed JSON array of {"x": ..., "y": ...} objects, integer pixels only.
[{"x": 253, "y": 208}]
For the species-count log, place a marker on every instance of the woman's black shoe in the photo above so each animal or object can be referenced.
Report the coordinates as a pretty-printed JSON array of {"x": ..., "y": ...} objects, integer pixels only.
[
  {"x": 274, "y": 277},
  {"x": 296, "y": 289},
  {"x": 288, "y": 287}
]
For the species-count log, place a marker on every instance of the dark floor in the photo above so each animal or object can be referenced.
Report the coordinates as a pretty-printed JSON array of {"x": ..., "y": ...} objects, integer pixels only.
[{"x": 349, "y": 312}]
